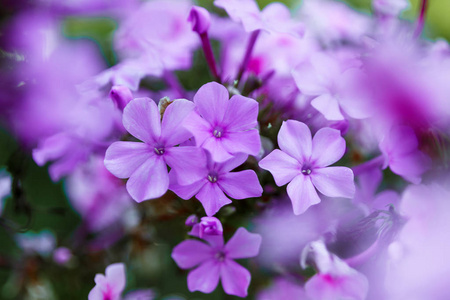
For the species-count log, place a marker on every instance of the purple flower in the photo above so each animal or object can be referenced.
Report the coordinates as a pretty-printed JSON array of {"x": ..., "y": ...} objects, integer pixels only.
[
  {"x": 62, "y": 255},
  {"x": 207, "y": 226},
  {"x": 111, "y": 285},
  {"x": 275, "y": 17},
  {"x": 145, "y": 163},
  {"x": 224, "y": 126},
  {"x": 215, "y": 180},
  {"x": 335, "y": 279},
  {"x": 303, "y": 162},
  {"x": 216, "y": 261},
  {"x": 401, "y": 153},
  {"x": 121, "y": 96}
]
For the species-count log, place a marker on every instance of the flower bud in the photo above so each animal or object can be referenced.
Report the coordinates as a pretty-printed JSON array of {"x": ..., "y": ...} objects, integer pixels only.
[
  {"x": 210, "y": 226},
  {"x": 200, "y": 19},
  {"x": 121, "y": 95}
]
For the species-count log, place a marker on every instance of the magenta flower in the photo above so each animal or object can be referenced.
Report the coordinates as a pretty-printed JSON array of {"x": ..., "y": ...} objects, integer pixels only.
[
  {"x": 111, "y": 285},
  {"x": 216, "y": 261},
  {"x": 303, "y": 162},
  {"x": 401, "y": 154},
  {"x": 145, "y": 163},
  {"x": 224, "y": 126},
  {"x": 215, "y": 180},
  {"x": 335, "y": 279},
  {"x": 275, "y": 17}
]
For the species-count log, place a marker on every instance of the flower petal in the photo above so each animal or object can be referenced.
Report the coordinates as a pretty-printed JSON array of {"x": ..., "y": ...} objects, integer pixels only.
[
  {"x": 328, "y": 146},
  {"x": 302, "y": 194},
  {"x": 212, "y": 198},
  {"x": 328, "y": 106},
  {"x": 217, "y": 150},
  {"x": 190, "y": 253},
  {"x": 235, "y": 278},
  {"x": 211, "y": 102},
  {"x": 282, "y": 166},
  {"x": 185, "y": 192},
  {"x": 248, "y": 142},
  {"x": 334, "y": 181},
  {"x": 172, "y": 132},
  {"x": 243, "y": 244},
  {"x": 231, "y": 164},
  {"x": 240, "y": 185},
  {"x": 188, "y": 163},
  {"x": 149, "y": 181},
  {"x": 241, "y": 114},
  {"x": 123, "y": 158},
  {"x": 295, "y": 139},
  {"x": 141, "y": 118},
  {"x": 115, "y": 274},
  {"x": 205, "y": 278},
  {"x": 199, "y": 127}
]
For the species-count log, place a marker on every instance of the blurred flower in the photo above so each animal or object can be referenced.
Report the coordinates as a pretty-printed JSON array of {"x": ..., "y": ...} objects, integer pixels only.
[
  {"x": 111, "y": 285},
  {"x": 42, "y": 242}
]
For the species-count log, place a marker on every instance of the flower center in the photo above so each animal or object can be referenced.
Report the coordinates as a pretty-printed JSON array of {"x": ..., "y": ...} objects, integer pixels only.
[
  {"x": 220, "y": 256},
  {"x": 212, "y": 178},
  {"x": 159, "y": 150},
  {"x": 306, "y": 171},
  {"x": 218, "y": 132}
]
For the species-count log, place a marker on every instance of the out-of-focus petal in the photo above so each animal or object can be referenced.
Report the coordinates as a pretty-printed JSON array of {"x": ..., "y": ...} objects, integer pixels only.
[
  {"x": 328, "y": 106},
  {"x": 115, "y": 274}
]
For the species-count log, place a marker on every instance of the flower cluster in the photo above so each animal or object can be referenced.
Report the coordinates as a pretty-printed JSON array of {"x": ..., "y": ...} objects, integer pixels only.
[{"x": 315, "y": 141}]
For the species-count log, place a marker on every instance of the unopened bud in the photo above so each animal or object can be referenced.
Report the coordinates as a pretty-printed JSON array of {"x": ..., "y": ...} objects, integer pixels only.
[
  {"x": 210, "y": 226},
  {"x": 121, "y": 95},
  {"x": 200, "y": 19}
]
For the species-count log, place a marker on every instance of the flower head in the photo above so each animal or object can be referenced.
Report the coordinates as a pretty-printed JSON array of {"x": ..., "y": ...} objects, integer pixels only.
[
  {"x": 111, "y": 285},
  {"x": 216, "y": 261},
  {"x": 223, "y": 126},
  {"x": 303, "y": 162}
]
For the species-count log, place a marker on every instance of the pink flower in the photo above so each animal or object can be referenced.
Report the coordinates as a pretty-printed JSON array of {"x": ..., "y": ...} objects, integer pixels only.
[
  {"x": 303, "y": 162},
  {"x": 223, "y": 126},
  {"x": 216, "y": 261},
  {"x": 111, "y": 285}
]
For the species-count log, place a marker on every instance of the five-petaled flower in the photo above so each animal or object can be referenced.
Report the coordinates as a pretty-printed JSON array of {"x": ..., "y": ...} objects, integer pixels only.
[
  {"x": 216, "y": 261},
  {"x": 303, "y": 161}
]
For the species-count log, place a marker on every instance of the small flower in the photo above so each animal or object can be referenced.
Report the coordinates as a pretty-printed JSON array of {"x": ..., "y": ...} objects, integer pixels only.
[
  {"x": 121, "y": 95},
  {"x": 304, "y": 162},
  {"x": 216, "y": 179},
  {"x": 145, "y": 163},
  {"x": 111, "y": 285},
  {"x": 207, "y": 226},
  {"x": 216, "y": 261},
  {"x": 224, "y": 126}
]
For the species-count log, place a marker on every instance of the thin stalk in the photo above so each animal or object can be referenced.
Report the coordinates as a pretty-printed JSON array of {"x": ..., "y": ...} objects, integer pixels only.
[
  {"x": 209, "y": 55},
  {"x": 421, "y": 18},
  {"x": 248, "y": 54}
]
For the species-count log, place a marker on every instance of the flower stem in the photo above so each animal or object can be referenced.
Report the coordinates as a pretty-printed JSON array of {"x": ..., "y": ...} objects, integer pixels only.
[
  {"x": 248, "y": 54},
  {"x": 209, "y": 55},
  {"x": 421, "y": 18}
]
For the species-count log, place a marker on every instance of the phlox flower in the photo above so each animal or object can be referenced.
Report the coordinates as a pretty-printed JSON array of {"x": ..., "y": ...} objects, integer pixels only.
[
  {"x": 216, "y": 261},
  {"x": 111, "y": 285},
  {"x": 215, "y": 181},
  {"x": 335, "y": 279},
  {"x": 400, "y": 151},
  {"x": 275, "y": 17},
  {"x": 145, "y": 163},
  {"x": 223, "y": 126},
  {"x": 303, "y": 162}
]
